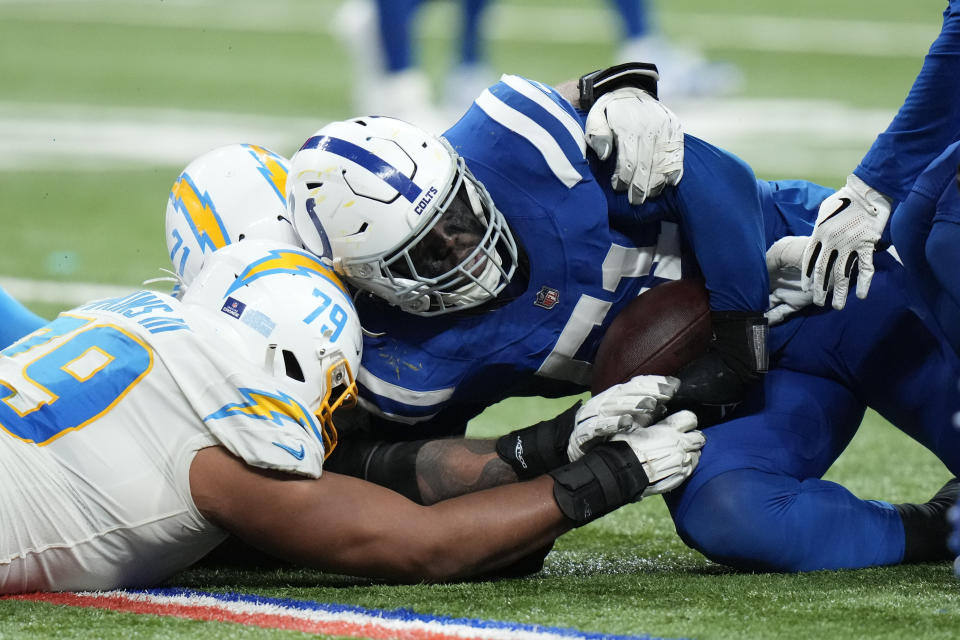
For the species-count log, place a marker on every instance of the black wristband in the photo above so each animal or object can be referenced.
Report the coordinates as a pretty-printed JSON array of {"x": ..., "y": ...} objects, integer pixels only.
[
  {"x": 540, "y": 448},
  {"x": 609, "y": 476},
  {"x": 641, "y": 75}
]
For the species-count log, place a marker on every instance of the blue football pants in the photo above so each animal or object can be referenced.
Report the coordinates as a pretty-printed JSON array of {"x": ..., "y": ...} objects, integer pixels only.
[{"x": 756, "y": 500}]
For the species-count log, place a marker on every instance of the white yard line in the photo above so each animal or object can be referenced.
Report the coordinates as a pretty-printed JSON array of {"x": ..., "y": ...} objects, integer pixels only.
[
  {"x": 783, "y": 137},
  {"x": 65, "y": 293},
  {"x": 79, "y": 137}
]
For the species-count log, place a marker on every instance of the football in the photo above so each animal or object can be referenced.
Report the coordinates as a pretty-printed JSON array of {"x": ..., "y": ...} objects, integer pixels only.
[{"x": 657, "y": 333}]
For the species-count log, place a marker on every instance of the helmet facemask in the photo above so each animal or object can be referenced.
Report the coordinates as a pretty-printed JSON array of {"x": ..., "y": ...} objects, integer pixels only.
[
  {"x": 339, "y": 388},
  {"x": 424, "y": 276},
  {"x": 341, "y": 393}
]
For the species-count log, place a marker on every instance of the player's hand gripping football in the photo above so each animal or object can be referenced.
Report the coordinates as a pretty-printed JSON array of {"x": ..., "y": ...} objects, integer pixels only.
[
  {"x": 634, "y": 404},
  {"x": 849, "y": 224},
  {"x": 648, "y": 139},
  {"x": 783, "y": 267},
  {"x": 668, "y": 450}
]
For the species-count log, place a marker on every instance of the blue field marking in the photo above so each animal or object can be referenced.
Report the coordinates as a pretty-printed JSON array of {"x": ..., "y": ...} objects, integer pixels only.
[{"x": 401, "y": 615}]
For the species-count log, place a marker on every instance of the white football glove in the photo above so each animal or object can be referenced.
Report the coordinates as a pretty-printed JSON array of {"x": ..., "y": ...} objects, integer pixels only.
[
  {"x": 668, "y": 450},
  {"x": 783, "y": 266},
  {"x": 848, "y": 227},
  {"x": 648, "y": 138},
  {"x": 631, "y": 405}
]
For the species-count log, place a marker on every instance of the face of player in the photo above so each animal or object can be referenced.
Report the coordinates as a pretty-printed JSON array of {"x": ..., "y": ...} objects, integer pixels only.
[{"x": 450, "y": 242}]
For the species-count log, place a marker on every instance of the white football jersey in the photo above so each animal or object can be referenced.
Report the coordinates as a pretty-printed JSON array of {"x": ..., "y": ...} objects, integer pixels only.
[{"x": 101, "y": 414}]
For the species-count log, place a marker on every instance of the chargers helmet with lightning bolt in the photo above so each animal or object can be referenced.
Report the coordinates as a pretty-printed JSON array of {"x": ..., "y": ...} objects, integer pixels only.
[
  {"x": 283, "y": 310},
  {"x": 226, "y": 195}
]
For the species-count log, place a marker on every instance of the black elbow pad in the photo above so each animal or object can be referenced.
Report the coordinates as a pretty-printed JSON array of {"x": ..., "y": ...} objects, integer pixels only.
[{"x": 736, "y": 358}]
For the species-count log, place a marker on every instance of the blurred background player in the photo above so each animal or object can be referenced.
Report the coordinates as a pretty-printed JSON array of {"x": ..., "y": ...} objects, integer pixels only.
[
  {"x": 684, "y": 71},
  {"x": 388, "y": 78}
]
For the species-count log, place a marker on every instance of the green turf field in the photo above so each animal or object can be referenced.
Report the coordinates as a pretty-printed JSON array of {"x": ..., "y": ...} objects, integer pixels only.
[{"x": 103, "y": 102}]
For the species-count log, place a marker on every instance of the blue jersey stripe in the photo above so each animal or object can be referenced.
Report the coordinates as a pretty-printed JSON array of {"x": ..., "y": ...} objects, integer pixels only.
[
  {"x": 372, "y": 163},
  {"x": 392, "y": 410}
]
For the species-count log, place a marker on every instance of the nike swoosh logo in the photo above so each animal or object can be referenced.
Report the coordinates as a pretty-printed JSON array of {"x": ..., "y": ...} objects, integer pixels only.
[
  {"x": 298, "y": 454},
  {"x": 844, "y": 203}
]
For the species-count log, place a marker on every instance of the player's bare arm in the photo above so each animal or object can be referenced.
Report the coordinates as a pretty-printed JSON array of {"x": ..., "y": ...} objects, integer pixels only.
[
  {"x": 346, "y": 525},
  {"x": 427, "y": 471}
]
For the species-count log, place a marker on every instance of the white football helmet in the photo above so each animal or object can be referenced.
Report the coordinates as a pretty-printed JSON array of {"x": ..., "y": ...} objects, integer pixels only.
[
  {"x": 285, "y": 311},
  {"x": 365, "y": 192},
  {"x": 226, "y": 195}
]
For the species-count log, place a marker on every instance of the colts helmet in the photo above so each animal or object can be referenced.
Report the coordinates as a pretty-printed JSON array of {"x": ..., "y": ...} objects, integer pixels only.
[
  {"x": 288, "y": 313},
  {"x": 364, "y": 192},
  {"x": 226, "y": 195}
]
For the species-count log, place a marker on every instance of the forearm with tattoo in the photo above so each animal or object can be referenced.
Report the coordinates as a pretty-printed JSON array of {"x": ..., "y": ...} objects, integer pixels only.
[{"x": 456, "y": 466}]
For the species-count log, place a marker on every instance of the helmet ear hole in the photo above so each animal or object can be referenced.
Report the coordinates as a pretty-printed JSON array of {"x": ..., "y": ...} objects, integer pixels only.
[{"x": 292, "y": 366}]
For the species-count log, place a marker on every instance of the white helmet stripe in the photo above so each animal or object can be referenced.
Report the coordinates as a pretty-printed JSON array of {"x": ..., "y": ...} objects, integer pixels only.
[{"x": 539, "y": 137}]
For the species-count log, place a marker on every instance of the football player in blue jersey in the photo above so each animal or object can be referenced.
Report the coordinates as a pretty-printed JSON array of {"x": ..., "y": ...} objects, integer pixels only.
[
  {"x": 852, "y": 221},
  {"x": 495, "y": 253},
  {"x": 504, "y": 211}
]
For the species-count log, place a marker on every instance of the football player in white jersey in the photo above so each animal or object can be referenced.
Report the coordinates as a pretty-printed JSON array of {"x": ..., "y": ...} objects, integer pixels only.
[
  {"x": 226, "y": 195},
  {"x": 138, "y": 431}
]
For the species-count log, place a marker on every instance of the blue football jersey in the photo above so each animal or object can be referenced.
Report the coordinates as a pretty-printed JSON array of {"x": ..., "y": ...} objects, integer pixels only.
[
  {"x": 589, "y": 254},
  {"x": 525, "y": 143}
]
